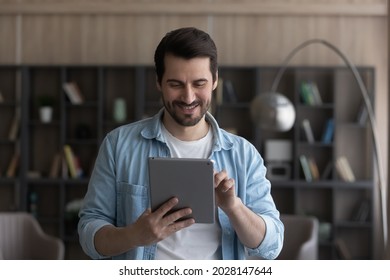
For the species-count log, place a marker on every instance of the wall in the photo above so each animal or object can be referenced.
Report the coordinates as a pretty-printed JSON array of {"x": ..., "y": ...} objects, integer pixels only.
[{"x": 247, "y": 32}]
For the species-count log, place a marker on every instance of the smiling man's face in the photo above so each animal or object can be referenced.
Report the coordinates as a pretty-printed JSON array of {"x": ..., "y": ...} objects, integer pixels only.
[{"x": 187, "y": 87}]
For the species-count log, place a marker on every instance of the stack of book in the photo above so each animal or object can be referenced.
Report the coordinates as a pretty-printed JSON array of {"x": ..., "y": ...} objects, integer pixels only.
[
  {"x": 308, "y": 131},
  {"x": 309, "y": 168},
  {"x": 72, "y": 162},
  {"x": 73, "y": 92},
  {"x": 344, "y": 169},
  {"x": 310, "y": 94},
  {"x": 327, "y": 135}
]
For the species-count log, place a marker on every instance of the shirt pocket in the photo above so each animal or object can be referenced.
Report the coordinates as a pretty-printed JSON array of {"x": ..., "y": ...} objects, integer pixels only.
[{"x": 132, "y": 200}]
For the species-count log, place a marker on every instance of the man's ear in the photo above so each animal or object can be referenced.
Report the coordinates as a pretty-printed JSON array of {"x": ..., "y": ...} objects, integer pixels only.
[
  {"x": 216, "y": 81},
  {"x": 158, "y": 84}
]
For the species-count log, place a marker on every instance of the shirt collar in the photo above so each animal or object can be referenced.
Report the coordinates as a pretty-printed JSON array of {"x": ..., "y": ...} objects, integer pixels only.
[{"x": 153, "y": 131}]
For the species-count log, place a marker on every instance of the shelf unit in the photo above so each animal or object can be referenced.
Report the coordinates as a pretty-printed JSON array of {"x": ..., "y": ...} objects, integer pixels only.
[
  {"x": 332, "y": 200},
  {"x": 83, "y": 127},
  {"x": 10, "y": 148}
]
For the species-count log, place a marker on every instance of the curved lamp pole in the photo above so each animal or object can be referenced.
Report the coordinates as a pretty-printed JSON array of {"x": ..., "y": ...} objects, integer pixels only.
[{"x": 263, "y": 100}]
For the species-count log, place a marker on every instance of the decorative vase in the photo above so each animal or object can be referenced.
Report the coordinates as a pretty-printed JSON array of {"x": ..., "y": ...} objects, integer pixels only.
[
  {"x": 119, "y": 110},
  {"x": 46, "y": 114}
]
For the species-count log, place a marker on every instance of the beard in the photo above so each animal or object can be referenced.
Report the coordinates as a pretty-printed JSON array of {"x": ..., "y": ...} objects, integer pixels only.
[{"x": 186, "y": 119}]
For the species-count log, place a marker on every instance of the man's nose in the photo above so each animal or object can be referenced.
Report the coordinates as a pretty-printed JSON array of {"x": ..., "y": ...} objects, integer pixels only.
[{"x": 188, "y": 94}]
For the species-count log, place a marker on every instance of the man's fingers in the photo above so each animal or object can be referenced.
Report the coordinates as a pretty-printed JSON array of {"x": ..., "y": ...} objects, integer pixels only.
[
  {"x": 219, "y": 177},
  {"x": 176, "y": 226},
  {"x": 166, "y": 207},
  {"x": 222, "y": 182},
  {"x": 226, "y": 185},
  {"x": 173, "y": 217}
]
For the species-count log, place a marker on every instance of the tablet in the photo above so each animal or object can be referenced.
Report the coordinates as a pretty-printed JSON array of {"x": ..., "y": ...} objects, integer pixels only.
[{"x": 190, "y": 180}]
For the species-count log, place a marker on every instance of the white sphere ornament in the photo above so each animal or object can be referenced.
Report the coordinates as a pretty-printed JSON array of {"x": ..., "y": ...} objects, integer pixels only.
[{"x": 272, "y": 111}]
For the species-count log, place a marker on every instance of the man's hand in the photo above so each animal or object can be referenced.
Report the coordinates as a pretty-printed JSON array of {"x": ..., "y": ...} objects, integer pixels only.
[
  {"x": 249, "y": 226},
  {"x": 149, "y": 228},
  {"x": 224, "y": 190},
  {"x": 152, "y": 227}
]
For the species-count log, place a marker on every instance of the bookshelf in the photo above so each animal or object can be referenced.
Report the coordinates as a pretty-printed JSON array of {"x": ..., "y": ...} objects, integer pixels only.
[
  {"x": 10, "y": 148},
  {"x": 52, "y": 194},
  {"x": 334, "y": 200}
]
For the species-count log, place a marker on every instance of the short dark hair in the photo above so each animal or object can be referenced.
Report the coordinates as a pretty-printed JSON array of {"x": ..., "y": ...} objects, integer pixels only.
[{"x": 187, "y": 42}]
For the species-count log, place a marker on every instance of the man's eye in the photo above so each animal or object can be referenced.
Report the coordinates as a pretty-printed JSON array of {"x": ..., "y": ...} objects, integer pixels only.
[
  {"x": 174, "y": 85},
  {"x": 200, "y": 84}
]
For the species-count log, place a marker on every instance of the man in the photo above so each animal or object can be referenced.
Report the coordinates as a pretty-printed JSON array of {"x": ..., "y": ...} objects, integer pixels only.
[{"x": 116, "y": 220}]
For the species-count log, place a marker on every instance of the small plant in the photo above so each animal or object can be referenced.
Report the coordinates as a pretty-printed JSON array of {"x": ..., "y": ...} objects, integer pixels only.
[{"x": 45, "y": 101}]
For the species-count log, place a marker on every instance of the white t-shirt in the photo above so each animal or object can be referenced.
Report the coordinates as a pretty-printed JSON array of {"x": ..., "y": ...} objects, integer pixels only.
[{"x": 199, "y": 241}]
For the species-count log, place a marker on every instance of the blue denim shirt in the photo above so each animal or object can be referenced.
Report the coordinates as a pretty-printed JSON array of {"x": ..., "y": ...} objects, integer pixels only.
[{"x": 118, "y": 191}]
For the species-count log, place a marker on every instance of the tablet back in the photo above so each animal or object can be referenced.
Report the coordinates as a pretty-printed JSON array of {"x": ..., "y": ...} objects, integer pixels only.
[{"x": 190, "y": 180}]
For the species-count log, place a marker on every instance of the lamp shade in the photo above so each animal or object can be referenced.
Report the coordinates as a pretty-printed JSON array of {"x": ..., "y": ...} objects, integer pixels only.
[{"x": 272, "y": 111}]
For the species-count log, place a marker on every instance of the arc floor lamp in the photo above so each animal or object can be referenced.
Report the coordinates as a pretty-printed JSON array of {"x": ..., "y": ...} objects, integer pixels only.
[{"x": 272, "y": 110}]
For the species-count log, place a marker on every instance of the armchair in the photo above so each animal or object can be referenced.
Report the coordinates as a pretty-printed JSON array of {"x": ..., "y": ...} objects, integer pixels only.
[
  {"x": 22, "y": 238},
  {"x": 300, "y": 237}
]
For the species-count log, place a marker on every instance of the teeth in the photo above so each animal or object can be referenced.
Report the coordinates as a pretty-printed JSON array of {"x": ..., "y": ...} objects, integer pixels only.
[{"x": 189, "y": 107}]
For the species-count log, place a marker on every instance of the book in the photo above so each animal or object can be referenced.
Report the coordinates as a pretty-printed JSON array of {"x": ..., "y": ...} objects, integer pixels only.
[
  {"x": 77, "y": 164},
  {"x": 70, "y": 161},
  {"x": 316, "y": 93},
  {"x": 327, "y": 171},
  {"x": 14, "y": 129},
  {"x": 229, "y": 93},
  {"x": 362, "y": 211},
  {"x": 315, "y": 174},
  {"x": 55, "y": 166},
  {"x": 13, "y": 166},
  {"x": 64, "y": 168},
  {"x": 341, "y": 170},
  {"x": 310, "y": 95},
  {"x": 344, "y": 169},
  {"x": 306, "y": 94},
  {"x": 347, "y": 167},
  {"x": 308, "y": 131},
  {"x": 327, "y": 135},
  {"x": 73, "y": 92},
  {"x": 305, "y": 168}
]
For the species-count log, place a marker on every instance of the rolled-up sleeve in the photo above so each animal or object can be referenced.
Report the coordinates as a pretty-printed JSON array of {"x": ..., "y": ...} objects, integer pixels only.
[
  {"x": 272, "y": 243},
  {"x": 260, "y": 200},
  {"x": 99, "y": 202}
]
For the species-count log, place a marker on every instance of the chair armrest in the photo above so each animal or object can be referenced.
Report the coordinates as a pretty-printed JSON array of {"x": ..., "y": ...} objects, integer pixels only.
[
  {"x": 309, "y": 249},
  {"x": 47, "y": 247}
]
